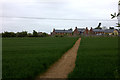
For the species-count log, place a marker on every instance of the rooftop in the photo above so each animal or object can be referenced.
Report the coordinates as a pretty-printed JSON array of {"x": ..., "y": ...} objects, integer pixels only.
[
  {"x": 63, "y": 31},
  {"x": 98, "y": 30},
  {"x": 109, "y": 30},
  {"x": 81, "y": 29}
]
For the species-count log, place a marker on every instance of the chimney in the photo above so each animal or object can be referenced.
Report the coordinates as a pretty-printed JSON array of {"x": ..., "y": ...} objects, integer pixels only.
[
  {"x": 86, "y": 31},
  {"x": 91, "y": 29},
  {"x": 54, "y": 30},
  {"x": 75, "y": 27}
]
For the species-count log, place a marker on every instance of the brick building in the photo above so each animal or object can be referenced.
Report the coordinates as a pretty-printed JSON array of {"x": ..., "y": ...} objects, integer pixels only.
[
  {"x": 85, "y": 31},
  {"x": 62, "y": 32},
  {"x": 80, "y": 31},
  {"x": 96, "y": 31}
]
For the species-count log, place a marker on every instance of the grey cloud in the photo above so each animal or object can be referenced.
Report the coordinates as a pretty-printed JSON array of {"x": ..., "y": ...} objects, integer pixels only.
[{"x": 44, "y": 10}]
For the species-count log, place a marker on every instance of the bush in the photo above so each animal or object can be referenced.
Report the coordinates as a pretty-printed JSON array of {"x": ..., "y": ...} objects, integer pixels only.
[{"x": 8, "y": 34}]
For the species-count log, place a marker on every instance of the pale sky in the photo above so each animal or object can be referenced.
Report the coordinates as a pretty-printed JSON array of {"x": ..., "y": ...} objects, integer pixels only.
[{"x": 86, "y": 10}]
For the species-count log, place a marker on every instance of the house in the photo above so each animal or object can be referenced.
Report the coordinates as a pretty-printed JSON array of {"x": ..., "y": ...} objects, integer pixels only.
[
  {"x": 111, "y": 32},
  {"x": 98, "y": 32},
  {"x": 40, "y": 33},
  {"x": 103, "y": 32},
  {"x": 116, "y": 32},
  {"x": 62, "y": 32},
  {"x": 85, "y": 31},
  {"x": 80, "y": 31}
]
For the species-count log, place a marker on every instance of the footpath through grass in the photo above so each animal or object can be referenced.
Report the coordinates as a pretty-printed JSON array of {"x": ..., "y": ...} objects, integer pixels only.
[
  {"x": 28, "y": 57},
  {"x": 97, "y": 58}
]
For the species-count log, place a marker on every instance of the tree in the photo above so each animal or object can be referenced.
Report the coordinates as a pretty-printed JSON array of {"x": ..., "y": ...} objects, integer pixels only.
[
  {"x": 35, "y": 34},
  {"x": 22, "y": 34},
  {"x": 111, "y": 27},
  {"x": 8, "y": 34},
  {"x": 70, "y": 29},
  {"x": 29, "y": 35},
  {"x": 44, "y": 35},
  {"x": 98, "y": 27},
  {"x": 115, "y": 15}
]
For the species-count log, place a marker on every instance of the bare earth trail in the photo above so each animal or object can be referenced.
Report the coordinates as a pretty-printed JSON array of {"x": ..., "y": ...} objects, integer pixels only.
[{"x": 64, "y": 65}]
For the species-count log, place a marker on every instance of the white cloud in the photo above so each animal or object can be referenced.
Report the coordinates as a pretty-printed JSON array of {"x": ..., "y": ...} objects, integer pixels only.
[
  {"x": 59, "y": 8},
  {"x": 70, "y": 9}
]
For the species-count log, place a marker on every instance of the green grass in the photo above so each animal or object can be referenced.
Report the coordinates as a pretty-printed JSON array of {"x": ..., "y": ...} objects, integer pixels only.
[
  {"x": 29, "y": 57},
  {"x": 97, "y": 58}
]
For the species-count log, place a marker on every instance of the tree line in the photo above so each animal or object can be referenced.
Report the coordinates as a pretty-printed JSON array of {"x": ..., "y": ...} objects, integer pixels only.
[{"x": 24, "y": 34}]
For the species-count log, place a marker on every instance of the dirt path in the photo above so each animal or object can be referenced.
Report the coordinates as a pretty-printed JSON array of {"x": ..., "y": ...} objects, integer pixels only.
[{"x": 64, "y": 65}]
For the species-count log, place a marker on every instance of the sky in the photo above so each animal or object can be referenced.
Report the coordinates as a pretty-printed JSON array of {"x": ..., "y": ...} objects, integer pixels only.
[{"x": 44, "y": 15}]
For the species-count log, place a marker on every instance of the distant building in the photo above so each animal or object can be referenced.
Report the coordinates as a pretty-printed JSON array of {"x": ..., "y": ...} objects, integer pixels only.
[
  {"x": 80, "y": 31},
  {"x": 111, "y": 32},
  {"x": 103, "y": 32},
  {"x": 83, "y": 31},
  {"x": 98, "y": 32},
  {"x": 62, "y": 32}
]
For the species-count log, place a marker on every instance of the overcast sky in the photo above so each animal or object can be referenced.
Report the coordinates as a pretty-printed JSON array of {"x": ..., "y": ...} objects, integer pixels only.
[{"x": 54, "y": 9}]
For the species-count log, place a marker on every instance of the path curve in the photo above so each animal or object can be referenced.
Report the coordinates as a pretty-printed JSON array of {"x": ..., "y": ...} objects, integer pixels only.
[{"x": 64, "y": 65}]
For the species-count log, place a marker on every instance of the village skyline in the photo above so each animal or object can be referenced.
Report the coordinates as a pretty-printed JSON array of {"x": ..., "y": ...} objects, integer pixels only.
[
  {"x": 98, "y": 31},
  {"x": 64, "y": 28}
]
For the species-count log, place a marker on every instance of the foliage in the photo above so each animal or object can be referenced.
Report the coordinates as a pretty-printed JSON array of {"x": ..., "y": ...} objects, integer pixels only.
[
  {"x": 98, "y": 27},
  {"x": 21, "y": 34},
  {"x": 118, "y": 25},
  {"x": 30, "y": 35},
  {"x": 44, "y": 34},
  {"x": 70, "y": 29},
  {"x": 29, "y": 57},
  {"x": 114, "y": 15},
  {"x": 97, "y": 58},
  {"x": 111, "y": 27},
  {"x": 35, "y": 34},
  {"x": 119, "y": 2},
  {"x": 8, "y": 34}
]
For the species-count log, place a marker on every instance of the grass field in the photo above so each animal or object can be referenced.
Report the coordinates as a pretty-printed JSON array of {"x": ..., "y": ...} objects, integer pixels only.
[
  {"x": 97, "y": 58},
  {"x": 29, "y": 57}
]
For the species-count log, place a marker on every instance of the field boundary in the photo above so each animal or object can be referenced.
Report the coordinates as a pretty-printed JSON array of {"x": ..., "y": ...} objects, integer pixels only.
[{"x": 64, "y": 65}]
